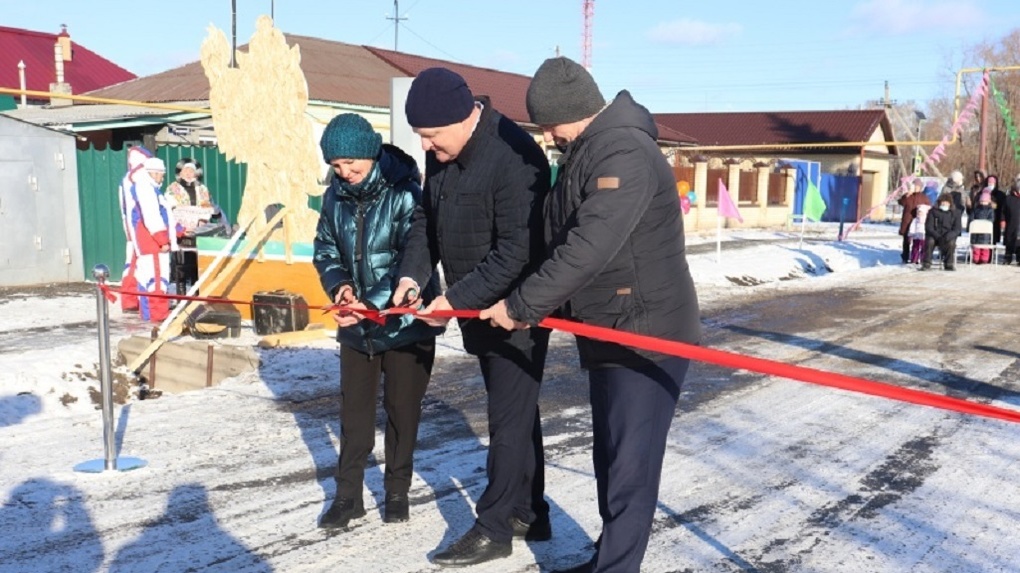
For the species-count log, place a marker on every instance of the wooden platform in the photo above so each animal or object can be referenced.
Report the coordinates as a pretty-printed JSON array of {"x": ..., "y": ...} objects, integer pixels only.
[{"x": 269, "y": 271}]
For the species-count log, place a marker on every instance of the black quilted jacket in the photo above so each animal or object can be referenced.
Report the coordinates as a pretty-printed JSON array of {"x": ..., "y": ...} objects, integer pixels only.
[{"x": 481, "y": 218}]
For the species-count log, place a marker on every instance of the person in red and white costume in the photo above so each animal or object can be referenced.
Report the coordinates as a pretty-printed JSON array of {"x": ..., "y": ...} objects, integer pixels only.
[{"x": 151, "y": 233}]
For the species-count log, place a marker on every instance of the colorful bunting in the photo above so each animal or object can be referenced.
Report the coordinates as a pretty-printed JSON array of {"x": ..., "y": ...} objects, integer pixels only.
[
  {"x": 1007, "y": 117},
  {"x": 929, "y": 162}
]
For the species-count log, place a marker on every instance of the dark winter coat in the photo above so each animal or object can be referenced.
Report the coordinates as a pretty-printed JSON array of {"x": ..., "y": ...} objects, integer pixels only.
[
  {"x": 361, "y": 236},
  {"x": 910, "y": 202},
  {"x": 481, "y": 218},
  {"x": 1011, "y": 214},
  {"x": 986, "y": 213},
  {"x": 942, "y": 226},
  {"x": 615, "y": 238},
  {"x": 999, "y": 201}
]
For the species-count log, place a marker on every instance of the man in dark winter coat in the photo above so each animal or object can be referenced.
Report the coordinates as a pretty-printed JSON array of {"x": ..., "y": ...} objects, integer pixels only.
[
  {"x": 941, "y": 230},
  {"x": 616, "y": 259},
  {"x": 486, "y": 181}
]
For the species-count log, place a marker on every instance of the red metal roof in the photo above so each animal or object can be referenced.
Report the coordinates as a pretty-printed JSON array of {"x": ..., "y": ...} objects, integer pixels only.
[
  {"x": 346, "y": 73},
  {"x": 361, "y": 78},
  {"x": 85, "y": 72},
  {"x": 506, "y": 91},
  {"x": 779, "y": 127}
]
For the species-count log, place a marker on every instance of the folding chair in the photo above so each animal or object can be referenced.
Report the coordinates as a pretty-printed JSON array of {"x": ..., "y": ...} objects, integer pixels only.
[{"x": 982, "y": 227}]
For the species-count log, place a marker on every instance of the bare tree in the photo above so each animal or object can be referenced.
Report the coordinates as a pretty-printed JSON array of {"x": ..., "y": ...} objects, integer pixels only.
[{"x": 1000, "y": 152}]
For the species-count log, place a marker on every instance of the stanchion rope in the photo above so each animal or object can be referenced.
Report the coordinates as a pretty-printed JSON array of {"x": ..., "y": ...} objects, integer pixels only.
[{"x": 724, "y": 358}]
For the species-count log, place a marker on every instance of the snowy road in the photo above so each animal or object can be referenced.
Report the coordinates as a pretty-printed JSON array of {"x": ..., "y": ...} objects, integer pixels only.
[{"x": 762, "y": 474}]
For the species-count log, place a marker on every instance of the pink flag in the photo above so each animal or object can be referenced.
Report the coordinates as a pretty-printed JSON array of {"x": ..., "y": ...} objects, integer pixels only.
[{"x": 726, "y": 206}]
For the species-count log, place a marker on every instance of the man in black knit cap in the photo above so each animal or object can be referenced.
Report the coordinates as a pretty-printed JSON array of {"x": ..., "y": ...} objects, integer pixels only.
[
  {"x": 481, "y": 214},
  {"x": 616, "y": 258}
]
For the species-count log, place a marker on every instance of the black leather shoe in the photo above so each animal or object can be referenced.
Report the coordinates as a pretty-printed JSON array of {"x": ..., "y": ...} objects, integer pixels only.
[
  {"x": 471, "y": 549},
  {"x": 343, "y": 510},
  {"x": 582, "y": 568},
  {"x": 396, "y": 508},
  {"x": 538, "y": 530}
]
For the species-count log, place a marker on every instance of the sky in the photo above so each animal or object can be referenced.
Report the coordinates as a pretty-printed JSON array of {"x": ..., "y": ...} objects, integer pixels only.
[
  {"x": 673, "y": 55},
  {"x": 767, "y": 474}
]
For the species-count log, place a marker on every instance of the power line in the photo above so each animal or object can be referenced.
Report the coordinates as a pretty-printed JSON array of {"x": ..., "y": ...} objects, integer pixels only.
[{"x": 417, "y": 35}]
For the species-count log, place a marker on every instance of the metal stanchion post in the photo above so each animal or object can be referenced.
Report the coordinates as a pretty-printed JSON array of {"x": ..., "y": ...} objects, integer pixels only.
[{"x": 110, "y": 460}]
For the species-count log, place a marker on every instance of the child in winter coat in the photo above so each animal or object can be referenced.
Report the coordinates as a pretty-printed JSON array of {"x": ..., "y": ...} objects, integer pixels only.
[
  {"x": 917, "y": 233},
  {"x": 983, "y": 210}
]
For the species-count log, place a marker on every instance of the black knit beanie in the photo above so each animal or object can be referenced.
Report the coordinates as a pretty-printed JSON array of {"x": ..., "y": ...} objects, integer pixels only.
[
  {"x": 438, "y": 97},
  {"x": 350, "y": 136},
  {"x": 562, "y": 91}
]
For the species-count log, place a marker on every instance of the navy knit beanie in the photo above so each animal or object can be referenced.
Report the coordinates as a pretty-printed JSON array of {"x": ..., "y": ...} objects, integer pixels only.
[
  {"x": 438, "y": 97},
  {"x": 349, "y": 136}
]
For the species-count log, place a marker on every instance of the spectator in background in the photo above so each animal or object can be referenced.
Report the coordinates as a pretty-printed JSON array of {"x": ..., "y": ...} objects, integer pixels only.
[
  {"x": 977, "y": 186},
  {"x": 1011, "y": 221},
  {"x": 192, "y": 205},
  {"x": 999, "y": 202},
  {"x": 941, "y": 230},
  {"x": 188, "y": 188},
  {"x": 909, "y": 201},
  {"x": 931, "y": 189},
  {"x": 917, "y": 233},
  {"x": 983, "y": 210},
  {"x": 961, "y": 198}
]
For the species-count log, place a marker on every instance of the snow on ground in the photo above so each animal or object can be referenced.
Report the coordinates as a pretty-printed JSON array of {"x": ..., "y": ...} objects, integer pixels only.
[{"x": 238, "y": 474}]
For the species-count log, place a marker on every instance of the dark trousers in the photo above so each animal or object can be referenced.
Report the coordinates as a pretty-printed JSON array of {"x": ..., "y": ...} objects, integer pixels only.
[
  {"x": 1011, "y": 247},
  {"x": 405, "y": 371},
  {"x": 947, "y": 250},
  {"x": 631, "y": 409},
  {"x": 905, "y": 256},
  {"x": 515, "y": 465},
  {"x": 183, "y": 270}
]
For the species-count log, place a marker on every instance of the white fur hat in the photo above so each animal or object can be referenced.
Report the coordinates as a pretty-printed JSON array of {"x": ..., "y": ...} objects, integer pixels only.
[
  {"x": 154, "y": 164},
  {"x": 957, "y": 177}
]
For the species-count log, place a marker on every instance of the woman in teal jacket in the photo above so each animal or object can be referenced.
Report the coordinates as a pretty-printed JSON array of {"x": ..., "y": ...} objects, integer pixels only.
[{"x": 361, "y": 235}]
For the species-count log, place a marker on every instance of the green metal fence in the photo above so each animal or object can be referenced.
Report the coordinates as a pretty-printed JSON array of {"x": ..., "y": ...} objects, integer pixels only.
[{"x": 99, "y": 175}]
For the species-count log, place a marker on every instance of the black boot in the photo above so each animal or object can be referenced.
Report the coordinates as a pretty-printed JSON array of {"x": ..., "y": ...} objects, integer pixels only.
[
  {"x": 471, "y": 549},
  {"x": 396, "y": 508},
  {"x": 538, "y": 530},
  {"x": 343, "y": 510}
]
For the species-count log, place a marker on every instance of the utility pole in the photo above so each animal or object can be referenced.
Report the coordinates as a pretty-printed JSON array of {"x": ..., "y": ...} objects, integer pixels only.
[
  {"x": 588, "y": 12},
  {"x": 396, "y": 23},
  {"x": 233, "y": 33}
]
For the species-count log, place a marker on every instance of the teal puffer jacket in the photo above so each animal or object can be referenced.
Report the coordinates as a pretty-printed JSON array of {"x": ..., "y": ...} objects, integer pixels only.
[{"x": 360, "y": 240}]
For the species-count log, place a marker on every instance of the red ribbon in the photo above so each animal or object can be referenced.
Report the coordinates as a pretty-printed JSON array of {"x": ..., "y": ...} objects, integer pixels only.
[{"x": 693, "y": 352}]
